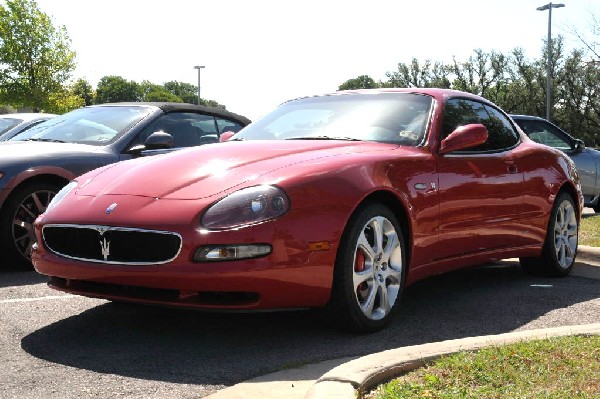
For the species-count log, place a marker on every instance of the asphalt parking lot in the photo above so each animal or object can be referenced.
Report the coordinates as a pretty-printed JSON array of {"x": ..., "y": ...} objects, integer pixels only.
[{"x": 54, "y": 345}]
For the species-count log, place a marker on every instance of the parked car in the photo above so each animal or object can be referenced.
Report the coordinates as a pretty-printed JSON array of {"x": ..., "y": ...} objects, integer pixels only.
[
  {"x": 37, "y": 163},
  {"x": 586, "y": 159},
  {"x": 335, "y": 202},
  {"x": 13, "y": 124}
]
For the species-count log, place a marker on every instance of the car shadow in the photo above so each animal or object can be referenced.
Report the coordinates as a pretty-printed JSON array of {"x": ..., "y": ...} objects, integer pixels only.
[
  {"x": 182, "y": 346},
  {"x": 10, "y": 278}
]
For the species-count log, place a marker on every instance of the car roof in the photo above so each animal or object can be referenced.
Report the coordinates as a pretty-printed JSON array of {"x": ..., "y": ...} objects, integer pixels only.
[
  {"x": 183, "y": 107},
  {"x": 437, "y": 93},
  {"x": 27, "y": 116},
  {"x": 527, "y": 117}
]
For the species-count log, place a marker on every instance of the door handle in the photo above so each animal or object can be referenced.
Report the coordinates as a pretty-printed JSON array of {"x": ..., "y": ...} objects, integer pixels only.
[{"x": 511, "y": 167}]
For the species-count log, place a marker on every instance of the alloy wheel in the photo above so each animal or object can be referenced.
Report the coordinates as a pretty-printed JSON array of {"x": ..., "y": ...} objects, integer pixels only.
[
  {"x": 565, "y": 234},
  {"x": 377, "y": 273},
  {"x": 28, "y": 210}
]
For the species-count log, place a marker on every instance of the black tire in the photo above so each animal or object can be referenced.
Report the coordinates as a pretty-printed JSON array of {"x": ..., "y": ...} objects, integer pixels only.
[
  {"x": 597, "y": 208},
  {"x": 560, "y": 246},
  {"x": 19, "y": 212},
  {"x": 367, "y": 273}
]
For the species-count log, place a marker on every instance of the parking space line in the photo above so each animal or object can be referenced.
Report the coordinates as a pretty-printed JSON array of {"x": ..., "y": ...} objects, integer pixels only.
[{"x": 40, "y": 298}]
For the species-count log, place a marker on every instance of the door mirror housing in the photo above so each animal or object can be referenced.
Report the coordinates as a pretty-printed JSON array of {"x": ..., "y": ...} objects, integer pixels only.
[
  {"x": 159, "y": 141},
  {"x": 579, "y": 145},
  {"x": 464, "y": 137},
  {"x": 156, "y": 141}
]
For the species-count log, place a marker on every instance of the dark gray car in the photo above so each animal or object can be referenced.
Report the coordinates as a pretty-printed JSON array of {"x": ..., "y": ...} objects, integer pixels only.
[
  {"x": 586, "y": 159},
  {"x": 37, "y": 163}
]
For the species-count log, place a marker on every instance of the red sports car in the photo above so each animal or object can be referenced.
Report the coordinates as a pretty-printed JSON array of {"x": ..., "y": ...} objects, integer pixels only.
[{"x": 335, "y": 202}]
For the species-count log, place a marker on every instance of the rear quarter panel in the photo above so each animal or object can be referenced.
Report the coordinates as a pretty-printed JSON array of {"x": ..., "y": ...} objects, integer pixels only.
[{"x": 546, "y": 172}]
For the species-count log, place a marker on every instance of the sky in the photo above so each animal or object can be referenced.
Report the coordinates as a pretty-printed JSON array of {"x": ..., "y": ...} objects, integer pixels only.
[{"x": 260, "y": 53}]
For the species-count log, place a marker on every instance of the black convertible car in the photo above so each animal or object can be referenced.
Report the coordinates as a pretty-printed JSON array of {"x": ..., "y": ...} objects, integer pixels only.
[{"x": 37, "y": 163}]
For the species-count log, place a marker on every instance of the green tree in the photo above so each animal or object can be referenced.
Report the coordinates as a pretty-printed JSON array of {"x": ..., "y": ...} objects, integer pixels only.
[
  {"x": 63, "y": 101},
  {"x": 360, "y": 82},
  {"x": 187, "y": 92},
  {"x": 7, "y": 109},
  {"x": 83, "y": 89},
  {"x": 416, "y": 74},
  {"x": 35, "y": 57},
  {"x": 154, "y": 92},
  {"x": 112, "y": 89},
  {"x": 212, "y": 103}
]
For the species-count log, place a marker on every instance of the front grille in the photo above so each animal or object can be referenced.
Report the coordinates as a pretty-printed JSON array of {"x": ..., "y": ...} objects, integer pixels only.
[{"x": 114, "y": 245}]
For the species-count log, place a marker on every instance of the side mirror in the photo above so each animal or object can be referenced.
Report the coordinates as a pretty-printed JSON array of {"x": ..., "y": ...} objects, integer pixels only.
[
  {"x": 226, "y": 136},
  {"x": 464, "y": 137},
  {"x": 579, "y": 145},
  {"x": 158, "y": 141}
]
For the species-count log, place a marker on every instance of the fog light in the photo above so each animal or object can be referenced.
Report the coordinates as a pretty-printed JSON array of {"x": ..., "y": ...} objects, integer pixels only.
[{"x": 218, "y": 253}]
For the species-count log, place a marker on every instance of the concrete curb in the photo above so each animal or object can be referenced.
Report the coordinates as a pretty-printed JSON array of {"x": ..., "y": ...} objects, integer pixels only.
[
  {"x": 343, "y": 378},
  {"x": 588, "y": 254},
  {"x": 369, "y": 371}
]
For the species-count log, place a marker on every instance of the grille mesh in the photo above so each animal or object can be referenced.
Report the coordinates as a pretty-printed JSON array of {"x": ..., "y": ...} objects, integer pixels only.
[{"x": 117, "y": 245}]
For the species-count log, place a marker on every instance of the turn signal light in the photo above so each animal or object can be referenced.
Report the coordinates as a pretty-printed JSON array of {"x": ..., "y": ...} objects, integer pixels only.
[{"x": 221, "y": 253}]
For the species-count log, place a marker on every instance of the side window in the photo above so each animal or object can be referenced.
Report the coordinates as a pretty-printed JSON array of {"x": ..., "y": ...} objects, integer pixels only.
[
  {"x": 501, "y": 133},
  {"x": 188, "y": 129},
  {"x": 228, "y": 126},
  {"x": 459, "y": 112},
  {"x": 545, "y": 134}
]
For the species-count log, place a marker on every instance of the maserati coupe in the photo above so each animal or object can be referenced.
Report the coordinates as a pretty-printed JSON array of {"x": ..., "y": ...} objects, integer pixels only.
[{"x": 333, "y": 202}]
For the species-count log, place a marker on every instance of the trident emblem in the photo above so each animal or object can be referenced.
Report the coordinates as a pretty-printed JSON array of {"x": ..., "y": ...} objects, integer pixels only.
[{"x": 105, "y": 246}]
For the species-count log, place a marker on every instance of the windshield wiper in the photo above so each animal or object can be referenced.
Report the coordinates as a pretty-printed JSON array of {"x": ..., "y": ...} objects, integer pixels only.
[
  {"x": 324, "y": 138},
  {"x": 47, "y": 140}
]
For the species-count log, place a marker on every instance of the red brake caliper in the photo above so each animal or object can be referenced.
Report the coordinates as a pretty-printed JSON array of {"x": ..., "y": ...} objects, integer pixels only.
[
  {"x": 359, "y": 261},
  {"x": 359, "y": 266}
]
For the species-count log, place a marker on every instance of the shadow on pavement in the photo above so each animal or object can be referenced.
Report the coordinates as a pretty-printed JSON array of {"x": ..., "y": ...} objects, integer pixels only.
[
  {"x": 216, "y": 348},
  {"x": 15, "y": 278}
]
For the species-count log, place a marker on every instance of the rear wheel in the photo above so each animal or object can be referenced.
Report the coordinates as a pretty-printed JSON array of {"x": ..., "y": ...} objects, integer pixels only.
[
  {"x": 369, "y": 272},
  {"x": 560, "y": 247},
  {"x": 21, "y": 209}
]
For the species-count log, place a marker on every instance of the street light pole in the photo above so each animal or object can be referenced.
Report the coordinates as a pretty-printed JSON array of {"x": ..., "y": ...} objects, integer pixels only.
[
  {"x": 199, "y": 67},
  {"x": 549, "y": 7}
]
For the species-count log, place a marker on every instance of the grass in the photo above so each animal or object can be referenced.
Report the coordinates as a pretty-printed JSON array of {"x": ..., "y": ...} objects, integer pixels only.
[
  {"x": 589, "y": 231},
  {"x": 556, "y": 368}
]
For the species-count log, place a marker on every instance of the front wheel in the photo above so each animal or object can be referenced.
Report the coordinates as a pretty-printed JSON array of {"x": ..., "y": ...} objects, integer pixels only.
[
  {"x": 21, "y": 209},
  {"x": 560, "y": 247},
  {"x": 369, "y": 271}
]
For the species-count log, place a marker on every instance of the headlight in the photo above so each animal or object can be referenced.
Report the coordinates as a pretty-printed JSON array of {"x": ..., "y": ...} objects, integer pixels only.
[
  {"x": 61, "y": 194},
  {"x": 247, "y": 206}
]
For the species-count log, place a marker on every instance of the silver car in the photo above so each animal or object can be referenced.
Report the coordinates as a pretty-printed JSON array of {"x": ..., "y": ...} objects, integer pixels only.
[
  {"x": 586, "y": 159},
  {"x": 13, "y": 124}
]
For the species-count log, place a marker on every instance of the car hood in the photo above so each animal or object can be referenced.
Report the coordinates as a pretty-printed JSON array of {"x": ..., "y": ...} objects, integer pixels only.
[
  {"x": 18, "y": 151},
  {"x": 214, "y": 168}
]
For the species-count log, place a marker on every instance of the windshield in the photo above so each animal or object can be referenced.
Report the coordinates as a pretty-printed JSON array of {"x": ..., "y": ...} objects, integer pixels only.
[
  {"x": 384, "y": 117},
  {"x": 8, "y": 123},
  {"x": 94, "y": 125}
]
